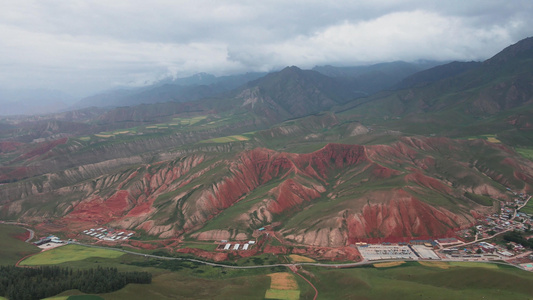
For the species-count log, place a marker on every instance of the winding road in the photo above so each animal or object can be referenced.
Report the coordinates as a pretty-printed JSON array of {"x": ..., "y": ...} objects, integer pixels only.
[
  {"x": 292, "y": 266},
  {"x": 323, "y": 265},
  {"x": 25, "y": 226}
]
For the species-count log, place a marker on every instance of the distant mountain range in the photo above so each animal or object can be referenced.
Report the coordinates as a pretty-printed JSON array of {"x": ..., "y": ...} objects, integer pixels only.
[
  {"x": 493, "y": 97},
  {"x": 359, "y": 81},
  {"x": 186, "y": 89},
  {"x": 363, "y": 80}
]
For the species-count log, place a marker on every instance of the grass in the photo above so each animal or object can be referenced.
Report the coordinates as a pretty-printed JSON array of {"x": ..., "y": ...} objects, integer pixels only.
[
  {"x": 68, "y": 253},
  {"x": 85, "y": 297},
  {"x": 188, "y": 121},
  {"x": 299, "y": 258},
  {"x": 11, "y": 248},
  {"x": 424, "y": 280},
  {"x": 227, "y": 218},
  {"x": 176, "y": 285},
  {"x": 389, "y": 264},
  {"x": 228, "y": 139},
  {"x": 473, "y": 265},
  {"x": 415, "y": 281},
  {"x": 283, "y": 281},
  {"x": 435, "y": 264},
  {"x": 199, "y": 245},
  {"x": 491, "y": 138},
  {"x": 526, "y": 152},
  {"x": 104, "y": 135},
  {"x": 479, "y": 199},
  {"x": 528, "y": 209},
  {"x": 282, "y": 286},
  {"x": 282, "y": 294},
  {"x": 74, "y": 295}
]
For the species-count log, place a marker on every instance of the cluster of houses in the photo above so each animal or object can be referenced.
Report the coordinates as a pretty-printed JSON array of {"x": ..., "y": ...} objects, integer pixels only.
[
  {"x": 484, "y": 250},
  {"x": 509, "y": 218},
  {"x": 237, "y": 246},
  {"x": 49, "y": 239},
  {"x": 107, "y": 235}
]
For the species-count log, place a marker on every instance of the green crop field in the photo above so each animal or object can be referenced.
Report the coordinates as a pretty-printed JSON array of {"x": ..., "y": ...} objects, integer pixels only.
[
  {"x": 528, "y": 209},
  {"x": 228, "y": 139},
  {"x": 200, "y": 245},
  {"x": 526, "y": 152},
  {"x": 68, "y": 253},
  {"x": 11, "y": 248},
  {"x": 76, "y": 297},
  {"x": 282, "y": 294},
  {"x": 85, "y": 297},
  {"x": 178, "y": 286},
  {"x": 414, "y": 281},
  {"x": 473, "y": 265}
]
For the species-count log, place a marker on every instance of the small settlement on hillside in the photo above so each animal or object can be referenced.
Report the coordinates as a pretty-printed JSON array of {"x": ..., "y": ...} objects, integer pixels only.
[{"x": 479, "y": 248}]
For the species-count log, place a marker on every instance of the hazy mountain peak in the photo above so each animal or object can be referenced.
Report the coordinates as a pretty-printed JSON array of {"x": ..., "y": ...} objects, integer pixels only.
[{"x": 521, "y": 48}]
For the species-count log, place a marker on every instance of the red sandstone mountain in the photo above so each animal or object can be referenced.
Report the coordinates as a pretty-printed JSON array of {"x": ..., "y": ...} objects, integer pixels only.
[{"x": 331, "y": 197}]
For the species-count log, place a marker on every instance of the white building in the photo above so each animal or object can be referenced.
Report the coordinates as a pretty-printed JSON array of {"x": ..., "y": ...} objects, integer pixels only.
[{"x": 236, "y": 247}]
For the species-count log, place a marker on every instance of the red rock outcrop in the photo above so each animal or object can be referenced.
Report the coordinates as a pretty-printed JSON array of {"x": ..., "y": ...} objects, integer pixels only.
[
  {"x": 42, "y": 149},
  {"x": 402, "y": 216}
]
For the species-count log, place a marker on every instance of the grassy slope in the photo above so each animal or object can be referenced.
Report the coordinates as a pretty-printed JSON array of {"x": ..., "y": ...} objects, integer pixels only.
[
  {"x": 412, "y": 280},
  {"x": 176, "y": 285},
  {"x": 68, "y": 253},
  {"x": 526, "y": 152},
  {"x": 12, "y": 249}
]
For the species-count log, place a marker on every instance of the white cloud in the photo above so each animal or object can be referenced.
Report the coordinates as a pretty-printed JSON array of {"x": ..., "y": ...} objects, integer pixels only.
[{"x": 88, "y": 45}]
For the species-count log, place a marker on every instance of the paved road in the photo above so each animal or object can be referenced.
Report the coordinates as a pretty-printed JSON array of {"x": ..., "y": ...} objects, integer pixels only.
[
  {"x": 323, "y": 265},
  {"x": 32, "y": 234},
  {"x": 25, "y": 226},
  {"x": 312, "y": 285}
]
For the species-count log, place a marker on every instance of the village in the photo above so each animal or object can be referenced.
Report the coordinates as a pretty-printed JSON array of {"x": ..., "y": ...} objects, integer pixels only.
[{"x": 486, "y": 241}]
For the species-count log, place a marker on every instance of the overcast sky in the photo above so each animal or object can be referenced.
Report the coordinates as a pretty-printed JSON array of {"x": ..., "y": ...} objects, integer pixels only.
[{"x": 83, "y": 46}]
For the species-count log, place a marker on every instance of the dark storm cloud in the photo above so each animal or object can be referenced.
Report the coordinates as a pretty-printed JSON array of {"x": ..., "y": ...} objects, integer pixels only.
[{"x": 83, "y": 46}]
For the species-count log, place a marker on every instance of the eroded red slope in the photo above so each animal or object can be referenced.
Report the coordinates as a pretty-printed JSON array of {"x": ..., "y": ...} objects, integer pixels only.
[{"x": 302, "y": 178}]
